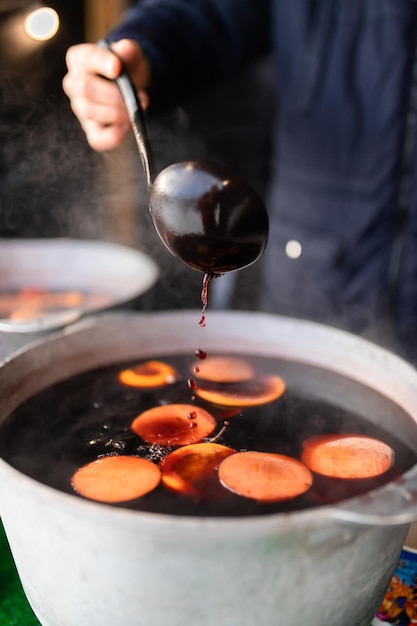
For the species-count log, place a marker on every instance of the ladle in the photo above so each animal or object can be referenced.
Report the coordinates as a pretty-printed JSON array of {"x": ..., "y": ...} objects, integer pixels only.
[{"x": 206, "y": 216}]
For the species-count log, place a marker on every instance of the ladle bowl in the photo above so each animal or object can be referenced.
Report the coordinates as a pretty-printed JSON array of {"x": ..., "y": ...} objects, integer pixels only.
[{"x": 206, "y": 216}]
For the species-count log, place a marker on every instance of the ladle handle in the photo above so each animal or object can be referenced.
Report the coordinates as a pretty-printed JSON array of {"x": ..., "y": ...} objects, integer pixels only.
[{"x": 137, "y": 117}]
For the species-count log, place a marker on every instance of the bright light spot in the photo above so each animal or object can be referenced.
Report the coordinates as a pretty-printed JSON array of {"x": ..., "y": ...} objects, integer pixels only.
[
  {"x": 42, "y": 24},
  {"x": 293, "y": 249}
]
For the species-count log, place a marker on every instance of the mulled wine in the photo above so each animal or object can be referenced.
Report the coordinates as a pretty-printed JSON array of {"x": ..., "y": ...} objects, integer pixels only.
[{"x": 89, "y": 416}]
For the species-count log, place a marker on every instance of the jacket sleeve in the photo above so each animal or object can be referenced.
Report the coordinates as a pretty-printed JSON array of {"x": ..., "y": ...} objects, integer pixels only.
[{"x": 193, "y": 43}]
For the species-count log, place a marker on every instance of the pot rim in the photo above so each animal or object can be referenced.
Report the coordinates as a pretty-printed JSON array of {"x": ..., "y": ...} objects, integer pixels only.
[
  {"x": 118, "y": 271},
  {"x": 394, "y": 503}
]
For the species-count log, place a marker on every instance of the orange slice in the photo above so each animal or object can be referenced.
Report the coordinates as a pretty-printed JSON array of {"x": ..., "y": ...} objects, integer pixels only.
[
  {"x": 116, "y": 478},
  {"x": 347, "y": 456},
  {"x": 192, "y": 470},
  {"x": 259, "y": 390},
  {"x": 265, "y": 476},
  {"x": 148, "y": 374},
  {"x": 223, "y": 369},
  {"x": 174, "y": 424}
]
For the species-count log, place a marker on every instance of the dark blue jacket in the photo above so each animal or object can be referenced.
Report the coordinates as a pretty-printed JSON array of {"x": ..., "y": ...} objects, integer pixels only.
[{"x": 344, "y": 162}]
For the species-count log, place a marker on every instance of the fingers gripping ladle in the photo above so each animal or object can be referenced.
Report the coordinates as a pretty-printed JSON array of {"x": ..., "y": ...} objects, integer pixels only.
[{"x": 206, "y": 216}]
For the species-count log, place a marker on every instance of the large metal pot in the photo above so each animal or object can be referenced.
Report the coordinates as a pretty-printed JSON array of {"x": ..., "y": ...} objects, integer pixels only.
[
  {"x": 119, "y": 275},
  {"x": 88, "y": 564}
]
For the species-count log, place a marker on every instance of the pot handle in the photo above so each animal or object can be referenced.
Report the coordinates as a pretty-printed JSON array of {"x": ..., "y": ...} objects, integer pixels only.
[{"x": 391, "y": 505}]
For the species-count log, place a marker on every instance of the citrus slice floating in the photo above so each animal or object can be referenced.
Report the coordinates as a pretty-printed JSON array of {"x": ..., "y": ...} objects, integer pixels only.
[
  {"x": 174, "y": 424},
  {"x": 347, "y": 456},
  {"x": 116, "y": 478},
  {"x": 148, "y": 374},
  {"x": 265, "y": 476},
  {"x": 192, "y": 470},
  {"x": 223, "y": 369},
  {"x": 259, "y": 390}
]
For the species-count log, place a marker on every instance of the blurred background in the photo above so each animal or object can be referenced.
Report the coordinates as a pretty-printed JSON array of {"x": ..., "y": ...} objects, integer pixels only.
[{"x": 53, "y": 185}]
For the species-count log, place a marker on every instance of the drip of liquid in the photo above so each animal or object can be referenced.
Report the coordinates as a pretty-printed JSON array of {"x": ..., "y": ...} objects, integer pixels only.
[{"x": 204, "y": 299}]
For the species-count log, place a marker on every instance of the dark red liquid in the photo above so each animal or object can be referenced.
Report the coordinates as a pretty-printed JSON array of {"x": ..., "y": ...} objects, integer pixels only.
[
  {"x": 213, "y": 255},
  {"x": 72, "y": 423},
  {"x": 204, "y": 303}
]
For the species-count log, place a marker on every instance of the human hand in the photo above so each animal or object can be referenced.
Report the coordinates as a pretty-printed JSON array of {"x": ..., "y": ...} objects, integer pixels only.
[{"x": 95, "y": 100}]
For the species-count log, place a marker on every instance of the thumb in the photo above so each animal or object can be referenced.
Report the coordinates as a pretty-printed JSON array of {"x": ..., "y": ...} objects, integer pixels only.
[
  {"x": 134, "y": 61},
  {"x": 126, "y": 49}
]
